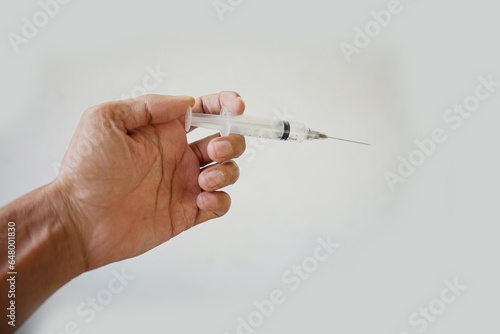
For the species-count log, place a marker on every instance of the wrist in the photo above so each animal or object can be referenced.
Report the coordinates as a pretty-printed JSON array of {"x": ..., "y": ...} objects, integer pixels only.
[
  {"x": 48, "y": 251},
  {"x": 66, "y": 223}
]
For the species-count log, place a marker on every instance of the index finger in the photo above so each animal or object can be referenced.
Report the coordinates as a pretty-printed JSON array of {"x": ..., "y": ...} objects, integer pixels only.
[{"x": 212, "y": 103}]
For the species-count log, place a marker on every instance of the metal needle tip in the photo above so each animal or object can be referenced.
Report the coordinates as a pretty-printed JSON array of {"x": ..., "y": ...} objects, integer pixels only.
[
  {"x": 350, "y": 141},
  {"x": 320, "y": 135}
]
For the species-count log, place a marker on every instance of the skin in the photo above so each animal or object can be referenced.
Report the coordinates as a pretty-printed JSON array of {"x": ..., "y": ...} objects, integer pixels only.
[{"x": 129, "y": 182}]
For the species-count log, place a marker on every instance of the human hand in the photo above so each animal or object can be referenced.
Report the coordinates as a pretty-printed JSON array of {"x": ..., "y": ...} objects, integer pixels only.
[{"x": 131, "y": 181}]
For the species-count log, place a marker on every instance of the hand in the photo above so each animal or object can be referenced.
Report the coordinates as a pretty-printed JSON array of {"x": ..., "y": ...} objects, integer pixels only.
[{"x": 132, "y": 181}]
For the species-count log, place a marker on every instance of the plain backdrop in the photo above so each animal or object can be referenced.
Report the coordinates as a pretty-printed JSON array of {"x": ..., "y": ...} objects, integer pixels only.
[{"x": 397, "y": 248}]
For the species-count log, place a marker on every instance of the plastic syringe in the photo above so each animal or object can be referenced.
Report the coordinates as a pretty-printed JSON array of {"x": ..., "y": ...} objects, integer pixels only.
[{"x": 271, "y": 128}]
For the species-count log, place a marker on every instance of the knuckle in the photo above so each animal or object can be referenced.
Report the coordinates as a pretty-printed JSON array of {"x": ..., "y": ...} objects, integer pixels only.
[
  {"x": 146, "y": 98},
  {"x": 234, "y": 166},
  {"x": 232, "y": 170},
  {"x": 102, "y": 116},
  {"x": 106, "y": 112},
  {"x": 239, "y": 146},
  {"x": 243, "y": 144},
  {"x": 90, "y": 112}
]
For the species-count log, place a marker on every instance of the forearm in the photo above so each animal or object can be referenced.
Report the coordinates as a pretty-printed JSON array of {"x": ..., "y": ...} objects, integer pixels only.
[{"x": 48, "y": 252}]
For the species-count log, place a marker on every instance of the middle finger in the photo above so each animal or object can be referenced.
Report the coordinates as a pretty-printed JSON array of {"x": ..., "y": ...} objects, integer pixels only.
[{"x": 219, "y": 176}]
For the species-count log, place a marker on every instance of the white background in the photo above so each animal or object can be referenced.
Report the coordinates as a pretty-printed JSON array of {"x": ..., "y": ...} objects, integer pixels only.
[{"x": 397, "y": 248}]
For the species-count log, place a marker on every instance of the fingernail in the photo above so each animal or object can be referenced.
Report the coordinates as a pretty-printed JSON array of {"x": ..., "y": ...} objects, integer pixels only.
[
  {"x": 213, "y": 178},
  {"x": 207, "y": 201},
  {"x": 223, "y": 148}
]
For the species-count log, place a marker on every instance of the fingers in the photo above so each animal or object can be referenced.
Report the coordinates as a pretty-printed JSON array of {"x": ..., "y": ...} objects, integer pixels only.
[
  {"x": 224, "y": 148},
  {"x": 212, "y": 205},
  {"x": 219, "y": 176},
  {"x": 212, "y": 103},
  {"x": 217, "y": 148},
  {"x": 148, "y": 109}
]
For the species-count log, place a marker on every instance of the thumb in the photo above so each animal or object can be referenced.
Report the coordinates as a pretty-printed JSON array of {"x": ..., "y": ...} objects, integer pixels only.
[{"x": 143, "y": 110}]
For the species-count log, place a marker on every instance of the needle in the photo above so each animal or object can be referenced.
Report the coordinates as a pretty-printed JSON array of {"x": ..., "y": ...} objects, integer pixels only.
[
  {"x": 350, "y": 141},
  {"x": 321, "y": 135}
]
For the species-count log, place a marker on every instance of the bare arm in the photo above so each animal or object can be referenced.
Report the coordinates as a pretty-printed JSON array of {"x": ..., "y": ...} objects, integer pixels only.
[
  {"x": 129, "y": 182},
  {"x": 48, "y": 253}
]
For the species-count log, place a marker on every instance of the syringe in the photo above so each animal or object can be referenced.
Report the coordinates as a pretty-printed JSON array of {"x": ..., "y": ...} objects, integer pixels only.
[{"x": 245, "y": 125}]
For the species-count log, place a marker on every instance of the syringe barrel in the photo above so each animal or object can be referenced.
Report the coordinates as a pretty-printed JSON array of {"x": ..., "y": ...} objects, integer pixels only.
[{"x": 270, "y": 128}]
